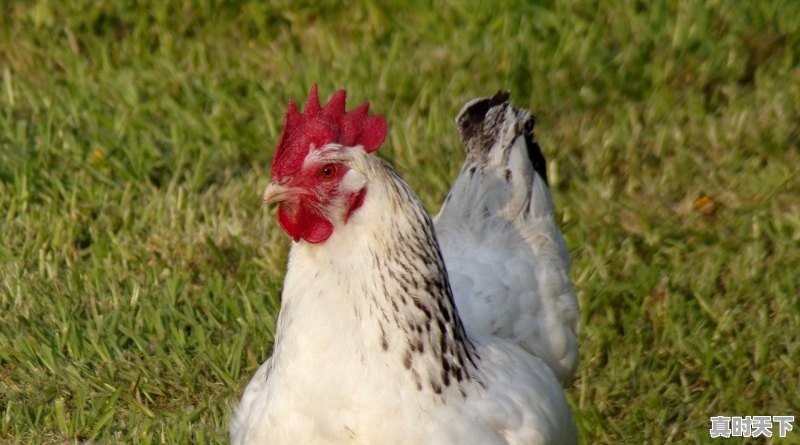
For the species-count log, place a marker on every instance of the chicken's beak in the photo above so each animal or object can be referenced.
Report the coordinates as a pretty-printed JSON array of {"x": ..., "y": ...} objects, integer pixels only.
[{"x": 275, "y": 193}]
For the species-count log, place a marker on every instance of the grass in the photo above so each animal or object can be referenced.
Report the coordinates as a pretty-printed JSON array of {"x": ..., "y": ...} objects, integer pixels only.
[{"x": 140, "y": 278}]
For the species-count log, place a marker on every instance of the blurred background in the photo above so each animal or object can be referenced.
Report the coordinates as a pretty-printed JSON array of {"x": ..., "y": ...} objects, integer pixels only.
[{"x": 140, "y": 277}]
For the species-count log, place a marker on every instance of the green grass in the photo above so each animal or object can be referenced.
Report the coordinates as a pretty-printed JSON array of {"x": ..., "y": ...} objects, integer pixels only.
[{"x": 140, "y": 278}]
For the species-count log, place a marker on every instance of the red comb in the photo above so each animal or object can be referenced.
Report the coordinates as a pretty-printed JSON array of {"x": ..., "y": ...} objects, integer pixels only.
[{"x": 319, "y": 126}]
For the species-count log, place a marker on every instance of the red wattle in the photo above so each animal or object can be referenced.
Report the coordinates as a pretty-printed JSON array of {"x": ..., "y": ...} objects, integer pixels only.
[{"x": 299, "y": 222}]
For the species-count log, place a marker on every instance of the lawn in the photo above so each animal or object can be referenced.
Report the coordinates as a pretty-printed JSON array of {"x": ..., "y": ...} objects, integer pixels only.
[{"x": 140, "y": 277}]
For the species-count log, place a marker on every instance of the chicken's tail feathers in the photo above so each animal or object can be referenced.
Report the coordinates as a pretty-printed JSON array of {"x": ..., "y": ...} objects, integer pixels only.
[
  {"x": 505, "y": 173},
  {"x": 507, "y": 259}
]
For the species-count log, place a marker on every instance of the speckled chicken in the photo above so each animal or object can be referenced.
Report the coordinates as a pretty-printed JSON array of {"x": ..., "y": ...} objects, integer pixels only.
[{"x": 387, "y": 335}]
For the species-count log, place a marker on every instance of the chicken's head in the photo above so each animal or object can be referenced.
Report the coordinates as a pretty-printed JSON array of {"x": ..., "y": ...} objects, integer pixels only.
[{"x": 309, "y": 183}]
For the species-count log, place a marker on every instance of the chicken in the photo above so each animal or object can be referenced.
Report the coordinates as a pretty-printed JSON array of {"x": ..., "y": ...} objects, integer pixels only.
[{"x": 372, "y": 346}]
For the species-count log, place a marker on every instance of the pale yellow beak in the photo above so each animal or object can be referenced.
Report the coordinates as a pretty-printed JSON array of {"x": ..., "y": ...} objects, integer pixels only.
[{"x": 275, "y": 193}]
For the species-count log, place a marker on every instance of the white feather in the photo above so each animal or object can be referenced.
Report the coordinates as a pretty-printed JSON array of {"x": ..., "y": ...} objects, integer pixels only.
[{"x": 507, "y": 260}]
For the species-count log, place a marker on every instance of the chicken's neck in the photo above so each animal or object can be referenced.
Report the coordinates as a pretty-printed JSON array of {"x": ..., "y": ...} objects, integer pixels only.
[{"x": 377, "y": 293}]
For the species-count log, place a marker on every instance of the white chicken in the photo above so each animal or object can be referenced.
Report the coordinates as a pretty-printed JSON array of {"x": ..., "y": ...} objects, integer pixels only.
[{"x": 383, "y": 337}]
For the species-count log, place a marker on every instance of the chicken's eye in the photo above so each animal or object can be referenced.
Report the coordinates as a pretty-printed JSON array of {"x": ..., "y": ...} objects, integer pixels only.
[{"x": 328, "y": 171}]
